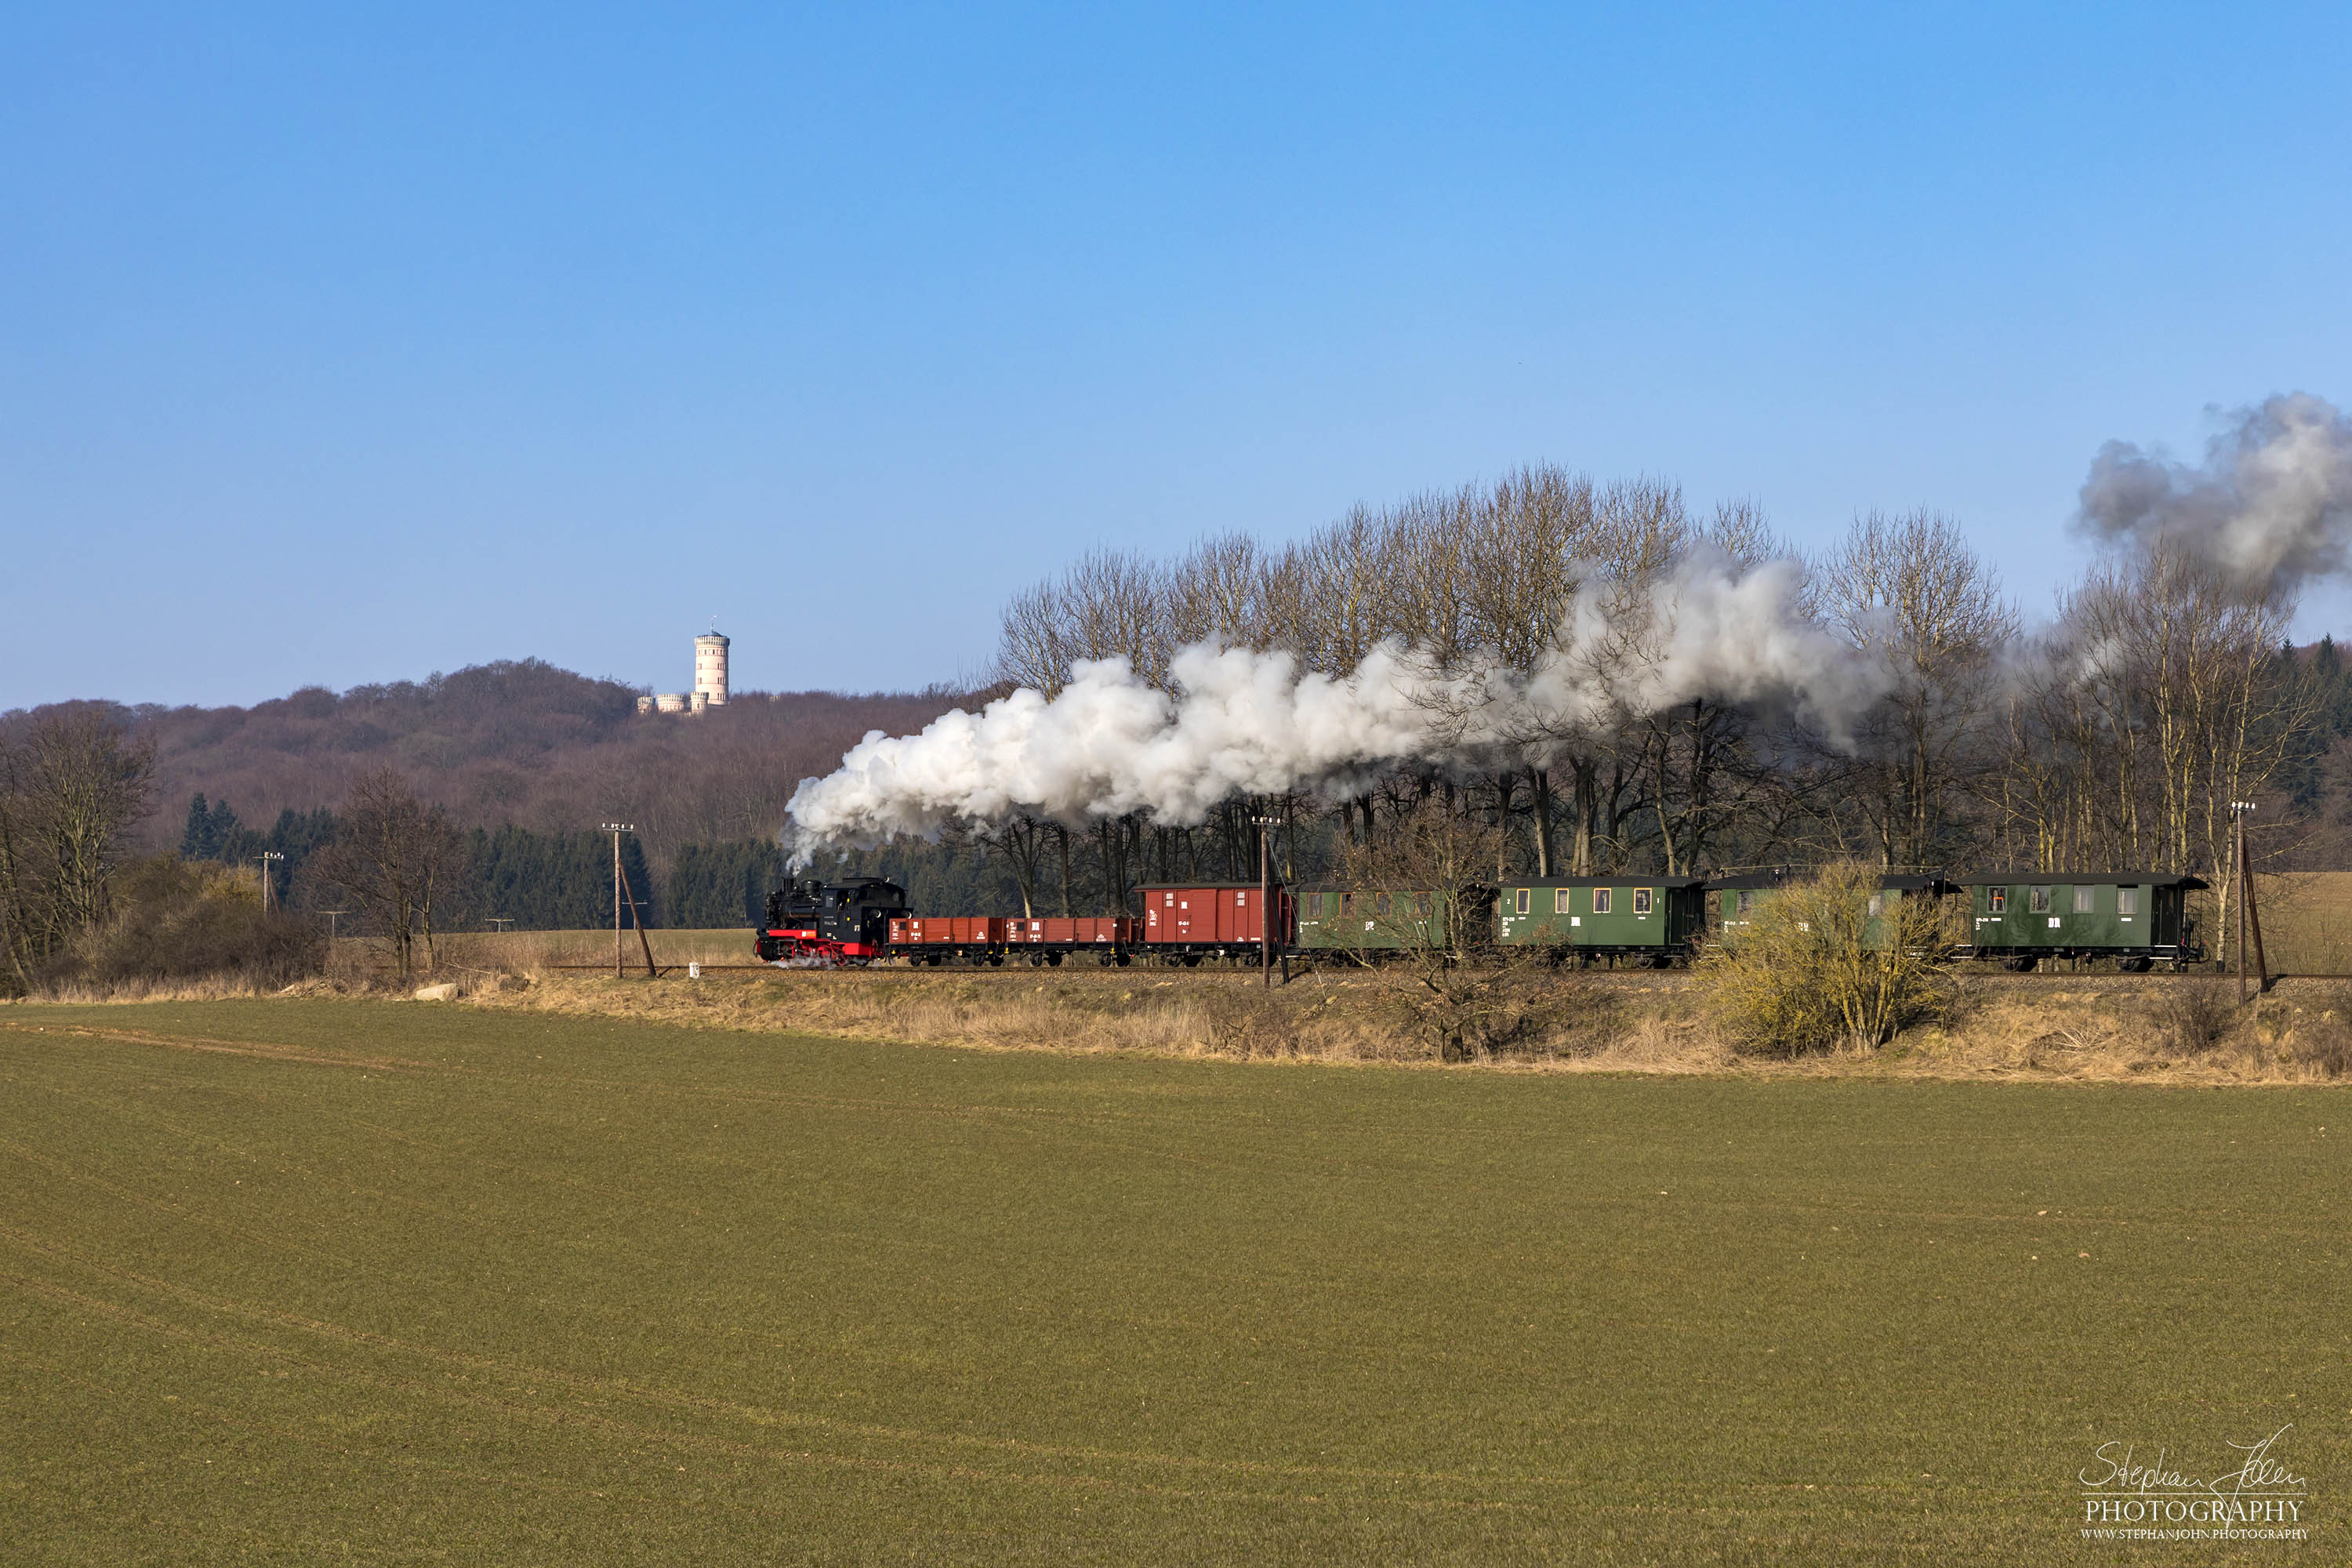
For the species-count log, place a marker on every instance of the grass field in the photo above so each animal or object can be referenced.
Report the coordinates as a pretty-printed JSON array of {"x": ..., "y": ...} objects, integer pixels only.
[{"x": 338, "y": 1281}]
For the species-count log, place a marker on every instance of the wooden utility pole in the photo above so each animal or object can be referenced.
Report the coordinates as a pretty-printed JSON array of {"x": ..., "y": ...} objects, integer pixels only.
[
  {"x": 266, "y": 856},
  {"x": 2241, "y": 888},
  {"x": 637, "y": 918},
  {"x": 1266, "y": 905},
  {"x": 2249, "y": 918},
  {"x": 616, "y": 829}
]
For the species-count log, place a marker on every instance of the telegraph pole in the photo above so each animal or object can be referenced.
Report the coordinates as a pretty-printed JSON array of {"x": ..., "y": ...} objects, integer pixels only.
[
  {"x": 266, "y": 857},
  {"x": 616, "y": 829},
  {"x": 2248, "y": 916},
  {"x": 1264, "y": 901}
]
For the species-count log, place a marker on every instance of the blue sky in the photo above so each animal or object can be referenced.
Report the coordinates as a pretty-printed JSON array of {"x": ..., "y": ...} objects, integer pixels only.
[{"x": 345, "y": 344}]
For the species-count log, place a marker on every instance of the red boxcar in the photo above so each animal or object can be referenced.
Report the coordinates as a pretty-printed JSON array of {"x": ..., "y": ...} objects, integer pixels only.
[{"x": 1222, "y": 915}]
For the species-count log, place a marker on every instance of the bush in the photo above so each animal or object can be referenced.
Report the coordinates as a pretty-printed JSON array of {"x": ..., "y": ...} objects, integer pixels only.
[
  {"x": 2192, "y": 1016},
  {"x": 1817, "y": 969},
  {"x": 172, "y": 920},
  {"x": 2321, "y": 1039}
]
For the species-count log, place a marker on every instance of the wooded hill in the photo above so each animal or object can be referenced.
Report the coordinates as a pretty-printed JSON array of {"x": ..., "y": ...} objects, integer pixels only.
[
  {"x": 520, "y": 743},
  {"x": 526, "y": 759}
]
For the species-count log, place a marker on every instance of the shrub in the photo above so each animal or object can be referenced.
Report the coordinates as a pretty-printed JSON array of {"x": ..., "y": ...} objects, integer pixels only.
[
  {"x": 2193, "y": 1016},
  {"x": 174, "y": 920},
  {"x": 1817, "y": 969},
  {"x": 2321, "y": 1039}
]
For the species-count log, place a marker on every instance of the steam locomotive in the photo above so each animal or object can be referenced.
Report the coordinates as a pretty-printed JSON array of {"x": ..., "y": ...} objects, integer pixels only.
[{"x": 830, "y": 922}]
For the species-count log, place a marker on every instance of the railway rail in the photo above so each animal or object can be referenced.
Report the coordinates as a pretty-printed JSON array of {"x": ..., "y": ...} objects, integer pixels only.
[{"x": 1025, "y": 972}]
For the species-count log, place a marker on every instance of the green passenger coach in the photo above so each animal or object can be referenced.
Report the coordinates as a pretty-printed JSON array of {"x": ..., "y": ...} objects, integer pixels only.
[
  {"x": 2136, "y": 917},
  {"x": 1370, "y": 922},
  {"x": 1735, "y": 900},
  {"x": 1657, "y": 919}
]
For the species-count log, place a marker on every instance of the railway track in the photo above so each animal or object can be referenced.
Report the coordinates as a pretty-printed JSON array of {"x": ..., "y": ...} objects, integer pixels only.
[{"x": 1019, "y": 970}]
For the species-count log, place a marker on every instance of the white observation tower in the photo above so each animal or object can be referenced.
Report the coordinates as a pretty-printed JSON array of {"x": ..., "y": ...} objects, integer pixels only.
[{"x": 710, "y": 671}]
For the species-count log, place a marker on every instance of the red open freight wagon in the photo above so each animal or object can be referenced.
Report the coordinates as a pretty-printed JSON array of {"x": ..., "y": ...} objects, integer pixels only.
[
  {"x": 935, "y": 939},
  {"x": 1060, "y": 935},
  {"x": 988, "y": 939}
]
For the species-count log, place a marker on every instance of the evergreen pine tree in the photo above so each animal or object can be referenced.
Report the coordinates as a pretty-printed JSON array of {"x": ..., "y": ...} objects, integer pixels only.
[{"x": 196, "y": 839}]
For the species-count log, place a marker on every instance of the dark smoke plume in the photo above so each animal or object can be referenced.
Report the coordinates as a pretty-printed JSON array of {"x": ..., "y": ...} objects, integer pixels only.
[{"x": 2271, "y": 506}]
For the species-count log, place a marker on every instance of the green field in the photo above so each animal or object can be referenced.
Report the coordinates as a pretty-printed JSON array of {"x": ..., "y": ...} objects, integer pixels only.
[{"x": 332, "y": 1281}]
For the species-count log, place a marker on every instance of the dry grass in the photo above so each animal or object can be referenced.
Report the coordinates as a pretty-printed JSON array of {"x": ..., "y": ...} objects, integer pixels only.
[
  {"x": 1325, "y": 1017},
  {"x": 518, "y": 951},
  {"x": 2092, "y": 1028}
]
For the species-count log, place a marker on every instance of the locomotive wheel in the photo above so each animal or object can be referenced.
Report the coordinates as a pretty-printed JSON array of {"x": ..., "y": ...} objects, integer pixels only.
[
  {"x": 1192, "y": 960},
  {"x": 1054, "y": 959},
  {"x": 2136, "y": 965},
  {"x": 1121, "y": 959},
  {"x": 2023, "y": 965}
]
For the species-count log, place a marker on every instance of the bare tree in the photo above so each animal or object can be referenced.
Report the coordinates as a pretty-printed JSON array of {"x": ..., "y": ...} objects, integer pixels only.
[
  {"x": 1523, "y": 564},
  {"x": 395, "y": 858},
  {"x": 2158, "y": 700},
  {"x": 1910, "y": 587},
  {"x": 73, "y": 784}
]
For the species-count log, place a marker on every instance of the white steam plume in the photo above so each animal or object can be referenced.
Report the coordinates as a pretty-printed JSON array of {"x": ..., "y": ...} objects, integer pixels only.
[
  {"x": 2272, "y": 507},
  {"x": 1247, "y": 724}
]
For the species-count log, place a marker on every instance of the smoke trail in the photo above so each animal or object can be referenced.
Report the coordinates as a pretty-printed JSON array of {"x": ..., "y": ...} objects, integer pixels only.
[
  {"x": 2272, "y": 507},
  {"x": 1245, "y": 724}
]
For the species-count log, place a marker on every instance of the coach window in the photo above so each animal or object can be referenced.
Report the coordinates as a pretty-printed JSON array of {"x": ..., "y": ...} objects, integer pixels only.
[
  {"x": 1601, "y": 899},
  {"x": 2037, "y": 900},
  {"x": 1747, "y": 903},
  {"x": 1380, "y": 903},
  {"x": 1521, "y": 901},
  {"x": 1559, "y": 901},
  {"x": 1996, "y": 898},
  {"x": 1878, "y": 904},
  {"x": 2126, "y": 902},
  {"x": 2084, "y": 904},
  {"x": 1347, "y": 903},
  {"x": 1641, "y": 900},
  {"x": 1421, "y": 903}
]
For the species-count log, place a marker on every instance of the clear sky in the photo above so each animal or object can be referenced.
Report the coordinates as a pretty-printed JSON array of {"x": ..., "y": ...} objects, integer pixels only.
[{"x": 345, "y": 343}]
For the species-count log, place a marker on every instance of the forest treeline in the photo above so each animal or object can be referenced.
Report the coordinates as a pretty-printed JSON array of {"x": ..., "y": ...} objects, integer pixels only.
[{"x": 563, "y": 881}]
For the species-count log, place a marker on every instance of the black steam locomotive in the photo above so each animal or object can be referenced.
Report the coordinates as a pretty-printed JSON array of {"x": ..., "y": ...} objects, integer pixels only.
[{"x": 831, "y": 922}]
